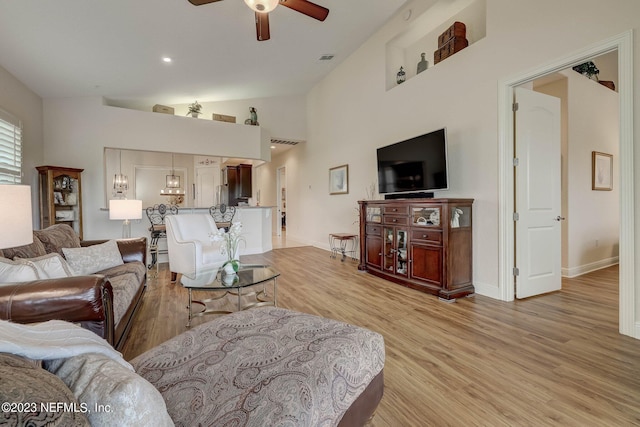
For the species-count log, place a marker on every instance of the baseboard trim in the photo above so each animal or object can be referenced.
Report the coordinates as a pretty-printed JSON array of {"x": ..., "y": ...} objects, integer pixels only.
[
  {"x": 588, "y": 268},
  {"x": 487, "y": 290}
]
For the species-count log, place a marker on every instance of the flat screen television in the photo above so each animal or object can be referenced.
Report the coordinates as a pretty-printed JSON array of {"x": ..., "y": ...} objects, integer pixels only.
[{"x": 416, "y": 165}]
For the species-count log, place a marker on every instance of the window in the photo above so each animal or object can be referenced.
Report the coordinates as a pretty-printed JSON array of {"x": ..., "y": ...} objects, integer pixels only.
[{"x": 10, "y": 149}]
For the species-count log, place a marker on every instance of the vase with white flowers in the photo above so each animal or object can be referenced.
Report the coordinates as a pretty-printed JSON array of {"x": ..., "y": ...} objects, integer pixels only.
[{"x": 230, "y": 244}]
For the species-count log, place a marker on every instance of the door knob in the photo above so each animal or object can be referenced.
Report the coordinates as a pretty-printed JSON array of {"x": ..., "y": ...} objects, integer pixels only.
[{"x": 560, "y": 218}]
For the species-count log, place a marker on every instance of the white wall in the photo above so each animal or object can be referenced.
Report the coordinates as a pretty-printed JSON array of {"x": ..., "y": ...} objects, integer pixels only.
[
  {"x": 350, "y": 113},
  {"x": 593, "y": 126},
  {"x": 77, "y": 130},
  {"x": 590, "y": 123},
  {"x": 23, "y": 103}
]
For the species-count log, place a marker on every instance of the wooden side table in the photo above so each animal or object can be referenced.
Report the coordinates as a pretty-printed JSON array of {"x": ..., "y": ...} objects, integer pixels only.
[{"x": 339, "y": 242}]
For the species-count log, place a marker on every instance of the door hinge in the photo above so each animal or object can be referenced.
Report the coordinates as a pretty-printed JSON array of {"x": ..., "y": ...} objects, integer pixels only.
[
  {"x": 516, "y": 161},
  {"x": 516, "y": 216},
  {"x": 515, "y": 106},
  {"x": 516, "y": 271}
]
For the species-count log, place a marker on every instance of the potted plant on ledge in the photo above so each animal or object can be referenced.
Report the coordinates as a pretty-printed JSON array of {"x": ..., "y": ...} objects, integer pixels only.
[{"x": 195, "y": 109}]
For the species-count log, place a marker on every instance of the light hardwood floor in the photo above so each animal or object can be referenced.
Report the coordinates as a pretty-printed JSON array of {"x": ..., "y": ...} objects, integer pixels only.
[{"x": 554, "y": 360}]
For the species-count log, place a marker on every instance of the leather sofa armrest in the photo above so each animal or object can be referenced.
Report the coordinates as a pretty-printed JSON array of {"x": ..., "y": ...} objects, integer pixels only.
[
  {"x": 87, "y": 300},
  {"x": 131, "y": 249}
]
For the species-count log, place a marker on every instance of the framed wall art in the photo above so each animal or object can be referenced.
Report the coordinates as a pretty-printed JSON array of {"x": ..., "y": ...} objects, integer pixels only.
[
  {"x": 601, "y": 171},
  {"x": 339, "y": 180}
]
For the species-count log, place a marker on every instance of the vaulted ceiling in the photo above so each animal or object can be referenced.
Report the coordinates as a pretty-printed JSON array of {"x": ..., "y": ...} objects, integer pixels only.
[{"x": 114, "y": 48}]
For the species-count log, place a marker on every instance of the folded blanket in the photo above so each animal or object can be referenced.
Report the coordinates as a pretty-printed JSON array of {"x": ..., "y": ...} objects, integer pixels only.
[{"x": 55, "y": 339}]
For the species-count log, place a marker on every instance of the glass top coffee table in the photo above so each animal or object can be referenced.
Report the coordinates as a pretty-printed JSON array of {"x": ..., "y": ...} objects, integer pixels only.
[{"x": 242, "y": 285}]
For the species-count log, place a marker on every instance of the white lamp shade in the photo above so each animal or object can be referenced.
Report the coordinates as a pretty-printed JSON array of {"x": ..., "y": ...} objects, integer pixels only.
[
  {"x": 125, "y": 209},
  {"x": 16, "y": 216},
  {"x": 262, "y": 6}
]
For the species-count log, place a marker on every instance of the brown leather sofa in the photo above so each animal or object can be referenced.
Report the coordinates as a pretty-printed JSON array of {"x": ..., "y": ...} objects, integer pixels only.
[{"x": 86, "y": 300}]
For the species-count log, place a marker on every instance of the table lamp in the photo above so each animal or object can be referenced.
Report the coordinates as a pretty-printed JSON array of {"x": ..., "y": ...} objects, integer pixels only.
[
  {"x": 126, "y": 210},
  {"x": 16, "y": 216}
]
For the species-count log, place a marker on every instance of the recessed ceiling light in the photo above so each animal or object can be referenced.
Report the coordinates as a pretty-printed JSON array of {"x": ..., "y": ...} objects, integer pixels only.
[
  {"x": 167, "y": 59},
  {"x": 273, "y": 147}
]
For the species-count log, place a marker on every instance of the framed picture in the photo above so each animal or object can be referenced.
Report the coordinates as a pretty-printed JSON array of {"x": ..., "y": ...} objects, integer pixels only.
[
  {"x": 339, "y": 180},
  {"x": 601, "y": 171}
]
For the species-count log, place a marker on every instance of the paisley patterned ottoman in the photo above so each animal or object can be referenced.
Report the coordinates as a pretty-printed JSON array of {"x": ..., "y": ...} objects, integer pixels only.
[{"x": 268, "y": 367}]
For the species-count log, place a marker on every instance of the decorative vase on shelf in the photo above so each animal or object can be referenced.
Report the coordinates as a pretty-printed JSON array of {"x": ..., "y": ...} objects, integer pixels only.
[
  {"x": 401, "y": 76},
  {"x": 423, "y": 64}
]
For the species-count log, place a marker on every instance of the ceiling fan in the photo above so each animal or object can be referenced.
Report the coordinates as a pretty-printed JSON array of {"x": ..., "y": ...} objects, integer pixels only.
[{"x": 263, "y": 7}]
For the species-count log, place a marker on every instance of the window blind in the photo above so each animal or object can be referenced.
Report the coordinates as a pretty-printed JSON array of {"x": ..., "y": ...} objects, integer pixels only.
[{"x": 10, "y": 149}]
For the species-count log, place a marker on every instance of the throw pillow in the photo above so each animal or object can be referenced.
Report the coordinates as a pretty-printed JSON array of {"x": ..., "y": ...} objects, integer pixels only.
[
  {"x": 14, "y": 271},
  {"x": 56, "y": 237},
  {"x": 91, "y": 259},
  {"x": 27, "y": 251},
  {"x": 96, "y": 379},
  {"x": 31, "y": 389},
  {"x": 50, "y": 266}
]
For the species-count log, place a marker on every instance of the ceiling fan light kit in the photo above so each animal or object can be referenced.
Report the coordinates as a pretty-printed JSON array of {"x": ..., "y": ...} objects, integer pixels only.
[{"x": 262, "y": 6}]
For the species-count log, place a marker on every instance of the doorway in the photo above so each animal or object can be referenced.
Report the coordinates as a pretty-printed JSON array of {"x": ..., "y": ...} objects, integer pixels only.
[{"x": 623, "y": 44}]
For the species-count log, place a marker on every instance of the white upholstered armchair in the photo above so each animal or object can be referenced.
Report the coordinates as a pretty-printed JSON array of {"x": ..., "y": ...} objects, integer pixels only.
[{"x": 189, "y": 245}]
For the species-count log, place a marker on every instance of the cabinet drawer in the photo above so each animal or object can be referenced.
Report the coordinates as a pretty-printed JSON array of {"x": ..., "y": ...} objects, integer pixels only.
[
  {"x": 396, "y": 210},
  {"x": 427, "y": 235},
  {"x": 396, "y": 220},
  {"x": 374, "y": 230}
]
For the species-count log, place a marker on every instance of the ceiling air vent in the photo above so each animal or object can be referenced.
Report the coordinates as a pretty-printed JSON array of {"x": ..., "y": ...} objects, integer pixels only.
[
  {"x": 326, "y": 57},
  {"x": 285, "y": 141}
]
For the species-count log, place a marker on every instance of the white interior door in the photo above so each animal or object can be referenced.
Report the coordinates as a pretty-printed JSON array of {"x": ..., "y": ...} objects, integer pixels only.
[{"x": 538, "y": 194}]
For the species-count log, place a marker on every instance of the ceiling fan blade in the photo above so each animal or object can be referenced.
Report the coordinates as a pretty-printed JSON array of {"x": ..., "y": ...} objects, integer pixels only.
[
  {"x": 262, "y": 26},
  {"x": 307, "y": 8},
  {"x": 201, "y": 2}
]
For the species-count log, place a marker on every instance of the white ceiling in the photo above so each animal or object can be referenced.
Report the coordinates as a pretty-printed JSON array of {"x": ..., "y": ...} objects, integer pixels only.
[{"x": 113, "y": 48}]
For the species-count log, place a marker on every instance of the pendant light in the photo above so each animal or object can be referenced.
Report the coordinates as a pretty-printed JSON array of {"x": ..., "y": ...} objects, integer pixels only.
[
  {"x": 120, "y": 182},
  {"x": 172, "y": 184}
]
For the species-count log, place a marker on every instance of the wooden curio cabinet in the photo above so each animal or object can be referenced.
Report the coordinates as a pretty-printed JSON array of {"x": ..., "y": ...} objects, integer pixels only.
[
  {"x": 60, "y": 197},
  {"x": 424, "y": 244}
]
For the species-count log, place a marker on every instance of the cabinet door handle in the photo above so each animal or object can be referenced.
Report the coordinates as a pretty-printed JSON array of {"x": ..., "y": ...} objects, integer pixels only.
[
  {"x": 395, "y": 220},
  {"x": 424, "y": 236}
]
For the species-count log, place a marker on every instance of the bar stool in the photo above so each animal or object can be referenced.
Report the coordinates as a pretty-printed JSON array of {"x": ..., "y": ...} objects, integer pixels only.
[
  {"x": 223, "y": 215},
  {"x": 158, "y": 229}
]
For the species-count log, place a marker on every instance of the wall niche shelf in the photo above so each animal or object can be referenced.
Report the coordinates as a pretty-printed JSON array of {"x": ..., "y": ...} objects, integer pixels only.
[{"x": 422, "y": 34}]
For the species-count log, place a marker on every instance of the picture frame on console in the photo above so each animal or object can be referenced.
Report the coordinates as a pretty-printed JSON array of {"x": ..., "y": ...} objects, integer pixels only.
[{"x": 339, "y": 180}]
